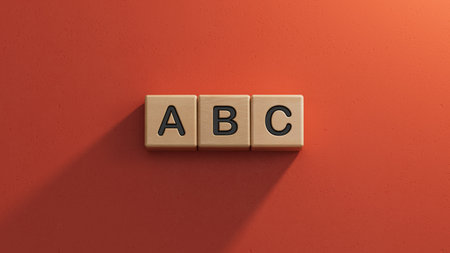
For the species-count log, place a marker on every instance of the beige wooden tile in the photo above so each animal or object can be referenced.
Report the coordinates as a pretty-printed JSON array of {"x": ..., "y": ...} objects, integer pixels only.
[
  {"x": 224, "y": 122},
  {"x": 277, "y": 122},
  {"x": 171, "y": 122}
]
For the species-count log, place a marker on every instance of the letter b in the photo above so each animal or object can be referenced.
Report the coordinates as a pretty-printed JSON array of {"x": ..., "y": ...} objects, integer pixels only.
[{"x": 217, "y": 120}]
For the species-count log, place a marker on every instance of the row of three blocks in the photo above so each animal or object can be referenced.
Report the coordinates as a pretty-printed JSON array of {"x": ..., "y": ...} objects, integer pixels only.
[{"x": 224, "y": 122}]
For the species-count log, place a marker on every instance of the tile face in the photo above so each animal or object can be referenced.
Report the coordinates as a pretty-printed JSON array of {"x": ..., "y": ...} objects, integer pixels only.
[
  {"x": 224, "y": 122},
  {"x": 171, "y": 122},
  {"x": 277, "y": 122}
]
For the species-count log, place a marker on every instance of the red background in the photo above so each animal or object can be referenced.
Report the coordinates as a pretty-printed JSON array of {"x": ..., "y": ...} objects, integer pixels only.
[{"x": 374, "y": 175}]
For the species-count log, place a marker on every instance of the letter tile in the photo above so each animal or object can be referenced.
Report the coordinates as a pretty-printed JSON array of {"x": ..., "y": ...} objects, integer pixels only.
[
  {"x": 277, "y": 122},
  {"x": 224, "y": 122},
  {"x": 171, "y": 122}
]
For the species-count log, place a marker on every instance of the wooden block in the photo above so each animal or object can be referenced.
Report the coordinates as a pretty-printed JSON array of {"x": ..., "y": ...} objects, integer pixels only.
[
  {"x": 171, "y": 122},
  {"x": 224, "y": 122},
  {"x": 277, "y": 122}
]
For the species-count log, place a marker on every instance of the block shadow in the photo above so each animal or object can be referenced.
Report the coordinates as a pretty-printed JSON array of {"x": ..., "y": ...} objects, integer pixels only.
[{"x": 118, "y": 197}]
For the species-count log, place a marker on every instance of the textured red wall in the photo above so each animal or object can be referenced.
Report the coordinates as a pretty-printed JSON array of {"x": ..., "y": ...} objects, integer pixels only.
[{"x": 374, "y": 175}]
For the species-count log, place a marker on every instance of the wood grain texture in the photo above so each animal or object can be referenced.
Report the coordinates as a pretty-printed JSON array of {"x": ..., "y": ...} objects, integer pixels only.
[
  {"x": 237, "y": 141},
  {"x": 155, "y": 109},
  {"x": 261, "y": 138}
]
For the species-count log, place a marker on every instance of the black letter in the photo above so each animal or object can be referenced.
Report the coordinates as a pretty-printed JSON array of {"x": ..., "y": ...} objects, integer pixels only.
[
  {"x": 269, "y": 120},
  {"x": 164, "y": 124},
  {"x": 217, "y": 120}
]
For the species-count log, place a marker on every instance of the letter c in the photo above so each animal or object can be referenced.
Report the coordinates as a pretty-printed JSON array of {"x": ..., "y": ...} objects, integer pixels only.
[{"x": 269, "y": 115}]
